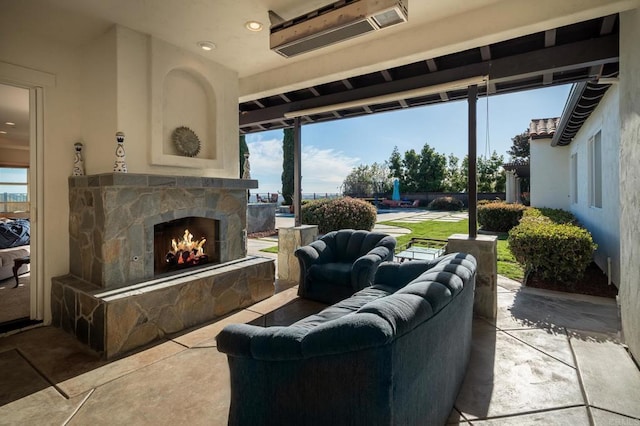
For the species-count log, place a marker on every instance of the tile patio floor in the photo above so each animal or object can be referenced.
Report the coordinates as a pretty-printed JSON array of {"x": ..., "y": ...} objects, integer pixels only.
[{"x": 548, "y": 359}]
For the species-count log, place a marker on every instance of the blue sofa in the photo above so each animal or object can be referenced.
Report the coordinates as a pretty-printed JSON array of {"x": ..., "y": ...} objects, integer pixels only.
[
  {"x": 392, "y": 354},
  {"x": 340, "y": 263}
]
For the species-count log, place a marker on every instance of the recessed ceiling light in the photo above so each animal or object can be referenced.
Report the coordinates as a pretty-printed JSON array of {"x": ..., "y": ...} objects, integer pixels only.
[
  {"x": 253, "y": 26},
  {"x": 206, "y": 45},
  {"x": 10, "y": 123}
]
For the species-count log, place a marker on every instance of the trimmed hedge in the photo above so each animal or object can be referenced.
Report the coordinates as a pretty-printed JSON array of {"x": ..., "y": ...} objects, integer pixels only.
[
  {"x": 446, "y": 204},
  {"x": 554, "y": 215},
  {"x": 499, "y": 216},
  {"x": 557, "y": 251},
  {"x": 339, "y": 213}
]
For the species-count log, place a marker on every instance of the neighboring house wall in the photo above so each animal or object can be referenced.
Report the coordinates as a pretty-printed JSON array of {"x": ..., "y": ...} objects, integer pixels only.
[
  {"x": 630, "y": 178},
  {"x": 602, "y": 222},
  {"x": 549, "y": 181}
]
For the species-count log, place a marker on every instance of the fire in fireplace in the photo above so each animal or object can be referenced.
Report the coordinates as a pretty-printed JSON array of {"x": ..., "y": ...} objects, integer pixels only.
[
  {"x": 186, "y": 251},
  {"x": 198, "y": 245}
]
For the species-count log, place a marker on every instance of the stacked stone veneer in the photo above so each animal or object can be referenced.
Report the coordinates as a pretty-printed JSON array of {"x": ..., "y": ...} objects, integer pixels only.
[
  {"x": 289, "y": 239},
  {"x": 111, "y": 299},
  {"x": 111, "y": 220},
  {"x": 116, "y": 321}
]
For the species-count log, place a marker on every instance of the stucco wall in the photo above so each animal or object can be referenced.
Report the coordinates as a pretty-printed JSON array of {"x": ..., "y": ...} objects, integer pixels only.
[
  {"x": 98, "y": 89},
  {"x": 549, "y": 182},
  {"x": 630, "y": 178},
  {"x": 603, "y": 223},
  {"x": 62, "y": 127}
]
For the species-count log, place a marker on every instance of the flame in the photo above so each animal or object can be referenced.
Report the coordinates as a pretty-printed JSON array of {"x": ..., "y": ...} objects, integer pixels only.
[{"x": 187, "y": 250}]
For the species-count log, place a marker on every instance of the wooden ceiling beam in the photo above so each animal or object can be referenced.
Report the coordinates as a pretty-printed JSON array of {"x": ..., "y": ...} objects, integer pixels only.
[{"x": 562, "y": 58}]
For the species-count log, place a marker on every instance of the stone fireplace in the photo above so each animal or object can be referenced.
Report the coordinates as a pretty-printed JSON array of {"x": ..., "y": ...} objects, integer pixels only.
[{"x": 126, "y": 285}]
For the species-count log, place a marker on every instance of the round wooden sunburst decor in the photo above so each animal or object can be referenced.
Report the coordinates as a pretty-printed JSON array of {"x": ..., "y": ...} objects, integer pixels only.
[{"x": 186, "y": 141}]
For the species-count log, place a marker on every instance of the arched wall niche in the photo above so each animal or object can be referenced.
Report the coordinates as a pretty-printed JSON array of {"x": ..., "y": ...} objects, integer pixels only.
[
  {"x": 188, "y": 90},
  {"x": 188, "y": 99}
]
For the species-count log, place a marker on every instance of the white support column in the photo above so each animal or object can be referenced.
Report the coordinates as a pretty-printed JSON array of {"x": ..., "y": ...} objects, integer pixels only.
[
  {"x": 485, "y": 249},
  {"x": 511, "y": 186}
]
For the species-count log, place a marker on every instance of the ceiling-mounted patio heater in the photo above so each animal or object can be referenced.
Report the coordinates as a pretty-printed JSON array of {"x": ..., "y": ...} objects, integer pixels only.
[{"x": 334, "y": 23}]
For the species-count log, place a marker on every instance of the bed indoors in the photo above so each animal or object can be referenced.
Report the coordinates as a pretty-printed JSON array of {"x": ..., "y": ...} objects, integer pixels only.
[{"x": 14, "y": 244}]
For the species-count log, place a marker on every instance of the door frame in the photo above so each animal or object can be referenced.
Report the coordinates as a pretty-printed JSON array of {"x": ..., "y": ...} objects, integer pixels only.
[{"x": 36, "y": 82}]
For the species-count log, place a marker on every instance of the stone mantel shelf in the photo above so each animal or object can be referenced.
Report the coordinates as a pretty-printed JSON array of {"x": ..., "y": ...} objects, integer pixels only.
[{"x": 155, "y": 181}]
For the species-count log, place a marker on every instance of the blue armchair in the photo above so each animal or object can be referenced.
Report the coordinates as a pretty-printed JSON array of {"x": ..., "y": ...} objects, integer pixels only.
[{"x": 341, "y": 263}]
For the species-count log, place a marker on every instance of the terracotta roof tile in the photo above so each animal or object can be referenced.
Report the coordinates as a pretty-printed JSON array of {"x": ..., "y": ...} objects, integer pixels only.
[{"x": 543, "y": 127}]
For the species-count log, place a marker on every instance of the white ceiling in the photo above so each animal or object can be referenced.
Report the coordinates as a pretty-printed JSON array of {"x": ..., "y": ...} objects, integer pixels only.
[
  {"x": 14, "y": 108},
  {"x": 185, "y": 22}
]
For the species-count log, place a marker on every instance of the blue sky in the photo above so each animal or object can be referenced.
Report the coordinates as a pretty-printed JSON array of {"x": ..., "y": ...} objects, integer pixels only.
[
  {"x": 8, "y": 175},
  {"x": 331, "y": 150}
]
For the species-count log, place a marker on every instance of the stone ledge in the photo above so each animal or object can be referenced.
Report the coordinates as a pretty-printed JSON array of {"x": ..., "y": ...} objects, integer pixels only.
[
  {"x": 117, "y": 321},
  {"x": 155, "y": 181}
]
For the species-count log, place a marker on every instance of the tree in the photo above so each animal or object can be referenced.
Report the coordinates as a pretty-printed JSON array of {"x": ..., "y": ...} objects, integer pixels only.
[
  {"x": 455, "y": 180},
  {"x": 287, "y": 166},
  {"x": 395, "y": 164},
  {"x": 366, "y": 180},
  {"x": 491, "y": 177},
  {"x": 432, "y": 170},
  {"x": 243, "y": 149},
  {"x": 519, "y": 151},
  {"x": 410, "y": 180}
]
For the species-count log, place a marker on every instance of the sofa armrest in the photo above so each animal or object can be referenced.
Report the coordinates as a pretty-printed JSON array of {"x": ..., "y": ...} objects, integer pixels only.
[
  {"x": 235, "y": 339},
  {"x": 349, "y": 333},
  {"x": 270, "y": 343},
  {"x": 364, "y": 268}
]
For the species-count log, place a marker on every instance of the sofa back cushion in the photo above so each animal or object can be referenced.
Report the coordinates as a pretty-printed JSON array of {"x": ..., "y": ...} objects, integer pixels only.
[{"x": 347, "y": 244}]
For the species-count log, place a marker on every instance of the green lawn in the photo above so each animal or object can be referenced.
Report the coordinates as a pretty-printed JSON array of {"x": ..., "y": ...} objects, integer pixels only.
[{"x": 507, "y": 265}]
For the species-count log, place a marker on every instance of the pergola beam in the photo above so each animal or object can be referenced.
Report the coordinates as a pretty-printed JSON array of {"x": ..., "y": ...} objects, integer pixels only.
[
  {"x": 297, "y": 170},
  {"x": 472, "y": 188},
  {"x": 512, "y": 68}
]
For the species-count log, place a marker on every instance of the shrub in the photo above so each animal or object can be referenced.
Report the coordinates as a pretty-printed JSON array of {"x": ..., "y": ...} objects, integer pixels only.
[
  {"x": 554, "y": 215},
  {"x": 557, "y": 251},
  {"x": 339, "y": 213},
  {"x": 446, "y": 203},
  {"x": 499, "y": 216}
]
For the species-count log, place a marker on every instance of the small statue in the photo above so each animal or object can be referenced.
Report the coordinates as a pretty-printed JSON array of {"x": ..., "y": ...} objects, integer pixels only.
[
  {"x": 120, "y": 165},
  {"x": 78, "y": 162},
  {"x": 246, "y": 169}
]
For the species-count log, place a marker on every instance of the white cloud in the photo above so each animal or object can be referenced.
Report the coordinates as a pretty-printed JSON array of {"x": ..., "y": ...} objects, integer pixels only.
[{"x": 323, "y": 170}]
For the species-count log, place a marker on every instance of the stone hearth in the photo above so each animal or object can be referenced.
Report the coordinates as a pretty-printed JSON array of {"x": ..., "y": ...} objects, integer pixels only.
[{"x": 111, "y": 300}]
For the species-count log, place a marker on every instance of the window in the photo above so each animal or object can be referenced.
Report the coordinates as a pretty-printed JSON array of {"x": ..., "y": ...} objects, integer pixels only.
[
  {"x": 595, "y": 170},
  {"x": 574, "y": 178},
  {"x": 14, "y": 193}
]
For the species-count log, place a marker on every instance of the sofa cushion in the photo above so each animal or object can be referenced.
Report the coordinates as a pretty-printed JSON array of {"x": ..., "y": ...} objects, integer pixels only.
[
  {"x": 438, "y": 295},
  {"x": 344, "y": 307},
  {"x": 403, "y": 312},
  {"x": 338, "y": 273}
]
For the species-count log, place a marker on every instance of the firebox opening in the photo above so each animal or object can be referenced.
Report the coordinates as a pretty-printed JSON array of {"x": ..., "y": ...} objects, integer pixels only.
[{"x": 185, "y": 243}]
